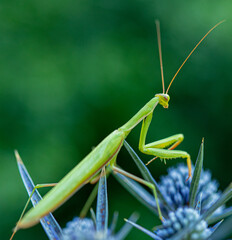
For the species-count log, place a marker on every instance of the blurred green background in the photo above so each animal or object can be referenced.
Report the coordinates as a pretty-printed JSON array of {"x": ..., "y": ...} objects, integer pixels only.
[{"x": 73, "y": 71}]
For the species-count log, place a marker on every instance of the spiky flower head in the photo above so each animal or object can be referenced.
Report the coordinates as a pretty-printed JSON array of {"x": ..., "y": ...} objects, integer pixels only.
[
  {"x": 78, "y": 228},
  {"x": 84, "y": 229},
  {"x": 176, "y": 189},
  {"x": 181, "y": 218}
]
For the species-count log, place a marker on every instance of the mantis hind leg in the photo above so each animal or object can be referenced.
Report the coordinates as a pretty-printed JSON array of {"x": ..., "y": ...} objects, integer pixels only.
[
  {"x": 157, "y": 148},
  {"x": 28, "y": 201}
]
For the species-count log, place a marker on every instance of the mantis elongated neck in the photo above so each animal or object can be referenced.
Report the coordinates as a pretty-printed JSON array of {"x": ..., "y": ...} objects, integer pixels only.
[{"x": 140, "y": 115}]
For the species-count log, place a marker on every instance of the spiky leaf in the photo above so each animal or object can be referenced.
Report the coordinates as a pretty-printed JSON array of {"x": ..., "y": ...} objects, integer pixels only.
[
  {"x": 146, "y": 174},
  {"x": 138, "y": 192},
  {"x": 126, "y": 227},
  {"x": 102, "y": 205},
  {"x": 149, "y": 233},
  {"x": 196, "y": 176},
  {"x": 223, "y": 231},
  {"x": 49, "y": 224},
  {"x": 216, "y": 217}
]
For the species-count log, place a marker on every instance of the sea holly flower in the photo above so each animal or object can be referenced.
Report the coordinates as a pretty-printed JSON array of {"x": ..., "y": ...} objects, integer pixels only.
[
  {"x": 177, "y": 221},
  {"x": 85, "y": 229},
  {"x": 78, "y": 228},
  {"x": 176, "y": 189},
  {"x": 181, "y": 218},
  {"x": 188, "y": 207}
]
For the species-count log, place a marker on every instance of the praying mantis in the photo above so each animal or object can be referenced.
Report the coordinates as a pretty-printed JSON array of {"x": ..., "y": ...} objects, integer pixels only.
[{"x": 106, "y": 152}]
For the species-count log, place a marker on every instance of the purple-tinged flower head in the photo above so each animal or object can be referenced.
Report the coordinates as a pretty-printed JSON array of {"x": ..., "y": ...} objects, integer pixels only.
[
  {"x": 178, "y": 221},
  {"x": 84, "y": 229},
  {"x": 181, "y": 218},
  {"x": 176, "y": 189},
  {"x": 78, "y": 228}
]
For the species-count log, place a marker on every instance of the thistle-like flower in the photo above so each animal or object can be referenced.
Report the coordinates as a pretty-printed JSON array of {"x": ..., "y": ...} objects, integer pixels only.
[
  {"x": 85, "y": 229},
  {"x": 181, "y": 218},
  {"x": 178, "y": 221},
  {"x": 176, "y": 189},
  {"x": 79, "y": 228},
  {"x": 188, "y": 207}
]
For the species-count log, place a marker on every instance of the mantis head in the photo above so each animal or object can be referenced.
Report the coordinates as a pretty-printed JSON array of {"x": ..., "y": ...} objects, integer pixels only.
[{"x": 163, "y": 99}]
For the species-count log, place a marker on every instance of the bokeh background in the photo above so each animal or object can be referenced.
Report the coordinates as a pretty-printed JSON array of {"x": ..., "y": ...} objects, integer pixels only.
[{"x": 73, "y": 71}]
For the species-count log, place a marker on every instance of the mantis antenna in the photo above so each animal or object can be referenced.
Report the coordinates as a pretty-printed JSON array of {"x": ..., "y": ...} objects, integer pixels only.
[
  {"x": 192, "y": 52},
  {"x": 157, "y": 23}
]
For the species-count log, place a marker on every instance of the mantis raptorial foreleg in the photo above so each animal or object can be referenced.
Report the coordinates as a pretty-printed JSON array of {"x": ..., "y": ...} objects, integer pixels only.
[{"x": 157, "y": 148}]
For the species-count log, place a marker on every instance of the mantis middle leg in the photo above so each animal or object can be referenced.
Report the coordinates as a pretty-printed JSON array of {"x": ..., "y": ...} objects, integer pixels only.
[
  {"x": 116, "y": 169},
  {"x": 142, "y": 181},
  {"x": 157, "y": 148}
]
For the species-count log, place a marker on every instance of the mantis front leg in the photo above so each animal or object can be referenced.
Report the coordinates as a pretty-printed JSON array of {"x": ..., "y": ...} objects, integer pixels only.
[{"x": 157, "y": 148}]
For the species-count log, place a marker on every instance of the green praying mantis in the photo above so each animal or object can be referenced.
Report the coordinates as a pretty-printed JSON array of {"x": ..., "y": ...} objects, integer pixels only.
[{"x": 106, "y": 152}]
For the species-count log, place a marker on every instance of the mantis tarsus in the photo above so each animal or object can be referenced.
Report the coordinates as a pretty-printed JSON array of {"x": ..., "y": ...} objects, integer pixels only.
[{"x": 106, "y": 152}]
